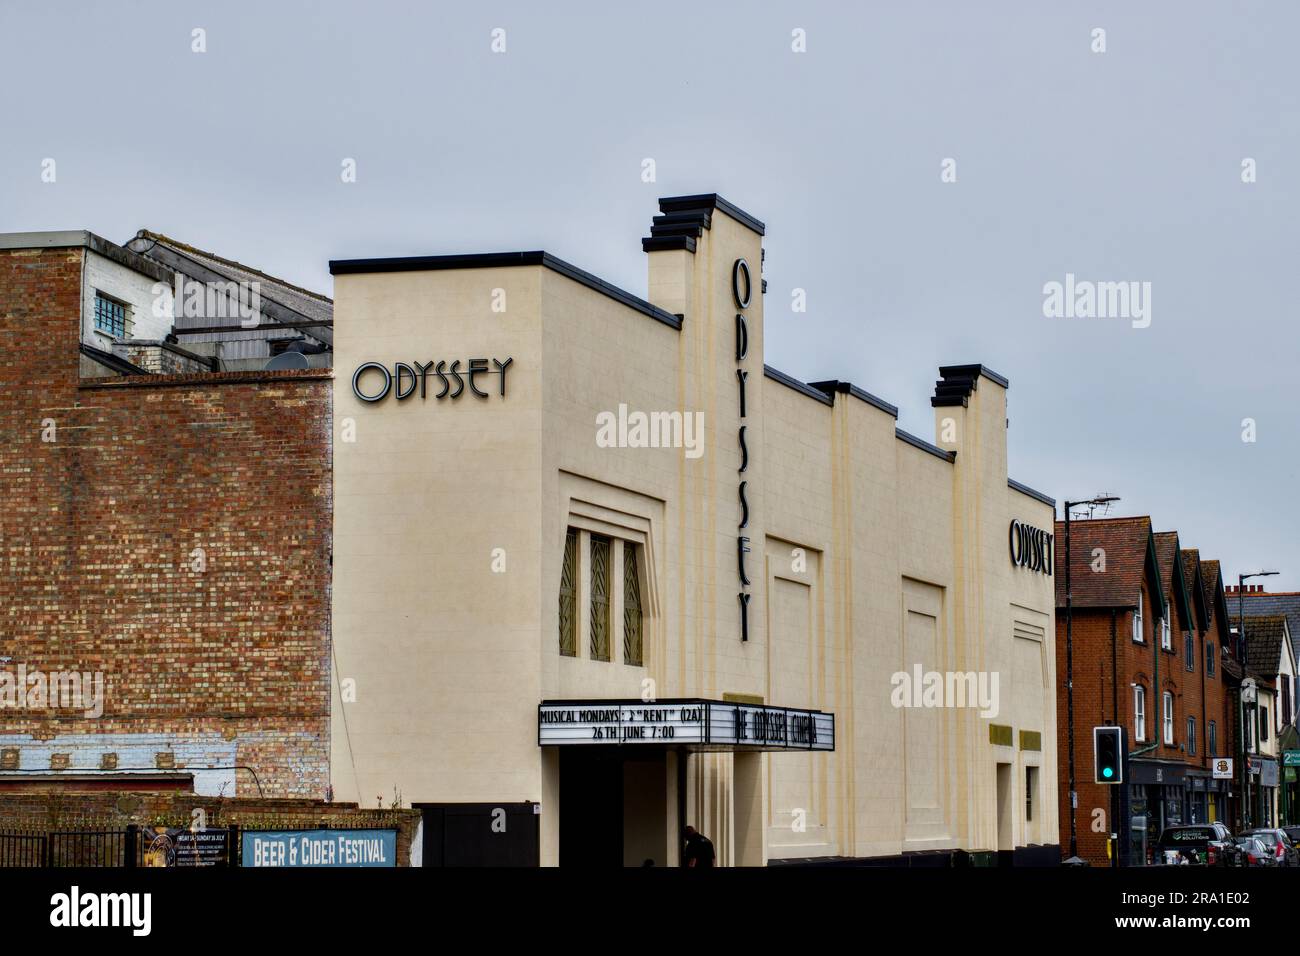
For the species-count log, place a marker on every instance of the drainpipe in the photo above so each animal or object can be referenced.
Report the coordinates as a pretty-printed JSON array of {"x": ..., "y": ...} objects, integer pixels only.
[
  {"x": 1160, "y": 728},
  {"x": 1205, "y": 722}
]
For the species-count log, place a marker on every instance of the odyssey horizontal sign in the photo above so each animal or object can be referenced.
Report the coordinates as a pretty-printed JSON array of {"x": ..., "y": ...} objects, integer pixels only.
[
  {"x": 692, "y": 723},
  {"x": 452, "y": 380}
]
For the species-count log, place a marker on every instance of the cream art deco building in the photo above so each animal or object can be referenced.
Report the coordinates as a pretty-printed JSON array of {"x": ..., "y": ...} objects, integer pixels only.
[{"x": 599, "y": 573}]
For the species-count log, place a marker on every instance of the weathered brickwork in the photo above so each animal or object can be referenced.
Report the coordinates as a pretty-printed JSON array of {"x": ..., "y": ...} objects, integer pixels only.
[
  {"x": 1096, "y": 693},
  {"x": 159, "y": 359},
  {"x": 171, "y": 532}
]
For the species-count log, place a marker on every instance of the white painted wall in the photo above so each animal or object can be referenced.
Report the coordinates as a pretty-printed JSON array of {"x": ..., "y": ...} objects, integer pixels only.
[{"x": 126, "y": 285}]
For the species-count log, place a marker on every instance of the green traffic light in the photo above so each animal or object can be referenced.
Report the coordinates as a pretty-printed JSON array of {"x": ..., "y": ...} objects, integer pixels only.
[{"x": 1108, "y": 772}]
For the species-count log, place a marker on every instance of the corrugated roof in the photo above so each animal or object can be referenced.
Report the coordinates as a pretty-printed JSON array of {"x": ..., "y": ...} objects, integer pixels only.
[{"x": 312, "y": 306}]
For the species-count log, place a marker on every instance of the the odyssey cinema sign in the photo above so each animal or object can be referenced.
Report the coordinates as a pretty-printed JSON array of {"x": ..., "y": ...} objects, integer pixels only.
[
  {"x": 1031, "y": 547},
  {"x": 450, "y": 380}
]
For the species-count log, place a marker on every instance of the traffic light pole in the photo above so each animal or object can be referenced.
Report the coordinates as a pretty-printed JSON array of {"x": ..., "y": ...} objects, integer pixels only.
[{"x": 1115, "y": 826}]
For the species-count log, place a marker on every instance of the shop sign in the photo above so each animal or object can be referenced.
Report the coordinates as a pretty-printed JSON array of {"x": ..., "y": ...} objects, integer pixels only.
[
  {"x": 1222, "y": 768},
  {"x": 319, "y": 848},
  {"x": 1291, "y": 758},
  {"x": 700, "y": 723}
]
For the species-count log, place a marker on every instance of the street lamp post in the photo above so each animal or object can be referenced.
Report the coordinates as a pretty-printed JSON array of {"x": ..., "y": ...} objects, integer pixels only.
[
  {"x": 1069, "y": 675},
  {"x": 1244, "y": 654}
]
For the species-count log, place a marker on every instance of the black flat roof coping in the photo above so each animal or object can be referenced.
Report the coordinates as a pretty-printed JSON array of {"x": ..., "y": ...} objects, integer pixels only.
[
  {"x": 497, "y": 260},
  {"x": 947, "y": 371},
  {"x": 948, "y": 456},
  {"x": 792, "y": 382},
  {"x": 1026, "y": 490},
  {"x": 848, "y": 388},
  {"x": 712, "y": 200}
]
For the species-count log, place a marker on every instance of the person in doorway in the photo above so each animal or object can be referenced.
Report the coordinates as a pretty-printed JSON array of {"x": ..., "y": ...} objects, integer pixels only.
[{"x": 699, "y": 848}]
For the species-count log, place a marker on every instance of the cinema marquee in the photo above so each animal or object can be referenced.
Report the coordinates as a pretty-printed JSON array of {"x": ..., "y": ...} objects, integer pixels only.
[{"x": 693, "y": 724}]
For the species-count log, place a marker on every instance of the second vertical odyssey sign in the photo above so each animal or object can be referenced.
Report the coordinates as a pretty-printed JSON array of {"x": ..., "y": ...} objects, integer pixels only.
[{"x": 742, "y": 288}]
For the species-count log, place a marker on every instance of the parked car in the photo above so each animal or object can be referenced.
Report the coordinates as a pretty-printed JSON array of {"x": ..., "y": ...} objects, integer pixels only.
[
  {"x": 1254, "y": 852},
  {"x": 1293, "y": 834},
  {"x": 1202, "y": 844},
  {"x": 1283, "y": 849}
]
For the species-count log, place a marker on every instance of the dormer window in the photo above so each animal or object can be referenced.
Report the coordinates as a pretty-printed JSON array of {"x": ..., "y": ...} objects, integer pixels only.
[
  {"x": 1137, "y": 621},
  {"x": 1166, "y": 637}
]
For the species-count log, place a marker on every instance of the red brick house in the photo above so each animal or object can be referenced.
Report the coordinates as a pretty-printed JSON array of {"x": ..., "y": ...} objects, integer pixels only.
[{"x": 1142, "y": 635}]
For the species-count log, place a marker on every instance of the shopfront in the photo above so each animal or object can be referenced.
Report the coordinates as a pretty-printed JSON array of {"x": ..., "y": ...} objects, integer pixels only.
[
  {"x": 595, "y": 557},
  {"x": 1264, "y": 783},
  {"x": 1161, "y": 794}
]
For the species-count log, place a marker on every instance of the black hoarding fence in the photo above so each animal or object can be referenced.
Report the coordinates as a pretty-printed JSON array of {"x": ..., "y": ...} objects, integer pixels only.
[
  {"x": 168, "y": 842},
  {"x": 93, "y": 848},
  {"x": 21, "y": 848},
  {"x": 121, "y": 847}
]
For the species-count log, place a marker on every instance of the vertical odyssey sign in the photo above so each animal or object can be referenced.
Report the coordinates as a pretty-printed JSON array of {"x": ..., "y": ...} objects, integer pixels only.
[
  {"x": 742, "y": 289},
  {"x": 1030, "y": 547}
]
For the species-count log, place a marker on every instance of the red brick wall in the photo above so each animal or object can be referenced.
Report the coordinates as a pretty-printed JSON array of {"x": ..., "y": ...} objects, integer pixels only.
[
  {"x": 99, "y": 538},
  {"x": 1093, "y": 706}
]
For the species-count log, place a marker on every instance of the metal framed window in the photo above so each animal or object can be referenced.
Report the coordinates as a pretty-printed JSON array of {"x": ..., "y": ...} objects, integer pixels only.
[
  {"x": 632, "y": 614},
  {"x": 110, "y": 316},
  {"x": 569, "y": 596},
  {"x": 600, "y": 597}
]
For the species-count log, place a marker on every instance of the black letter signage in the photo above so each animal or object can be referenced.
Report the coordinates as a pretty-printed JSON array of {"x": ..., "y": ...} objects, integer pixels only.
[
  {"x": 1030, "y": 547},
  {"x": 405, "y": 376},
  {"x": 742, "y": 288}
]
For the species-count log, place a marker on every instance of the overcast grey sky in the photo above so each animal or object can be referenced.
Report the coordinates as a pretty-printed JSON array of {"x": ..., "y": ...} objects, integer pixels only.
[{"x": 1117, "y": 166}]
